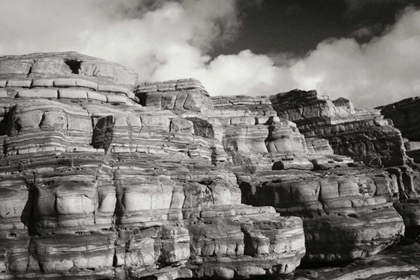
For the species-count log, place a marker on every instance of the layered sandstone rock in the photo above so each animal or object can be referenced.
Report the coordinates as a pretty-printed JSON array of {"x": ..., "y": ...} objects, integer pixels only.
[
  {"x": 400, "y": 262},
  {"x": 347, "y": 211},
  {"x": 105, "y": 178},
  {"x": 360, "y": 134},
  {"x": 404, "y": 115},
  {"x": 178, "y": 95},
  {"x": 95, "y": 186},
  {"x": 30, "y": 70}
]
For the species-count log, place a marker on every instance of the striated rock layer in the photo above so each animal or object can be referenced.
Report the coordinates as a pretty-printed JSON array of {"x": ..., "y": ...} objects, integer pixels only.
[
  {"x": 400, "y": 262},
  {"x": 404, "y": 115},
  {"x": 105, "y": 178},
  {"x": 363, "y": 135},
  {"x": 346, "y": 210},
  {"x": 95, "y": 186}
]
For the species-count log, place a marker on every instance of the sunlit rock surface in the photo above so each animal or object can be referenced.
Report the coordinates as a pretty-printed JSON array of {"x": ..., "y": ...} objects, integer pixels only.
[
  {"x": 103, "y": 177},
  {"x": 346, "y": 210},
  {"x": 363, "y": 135},
  {"x": 95, "y": 186}
]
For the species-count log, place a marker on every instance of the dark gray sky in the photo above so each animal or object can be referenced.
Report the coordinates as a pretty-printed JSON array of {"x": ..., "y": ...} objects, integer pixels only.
[{"x": 297, "y": 26}]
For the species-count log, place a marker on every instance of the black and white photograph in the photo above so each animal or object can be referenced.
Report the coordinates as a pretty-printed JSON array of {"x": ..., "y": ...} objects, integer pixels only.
[{"x": 210, "y": 139}]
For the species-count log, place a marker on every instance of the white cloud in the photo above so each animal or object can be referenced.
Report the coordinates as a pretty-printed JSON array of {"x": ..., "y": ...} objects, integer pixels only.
[
  {"x": 170, "y": 40},
  {"x": 379, "y": 72}
]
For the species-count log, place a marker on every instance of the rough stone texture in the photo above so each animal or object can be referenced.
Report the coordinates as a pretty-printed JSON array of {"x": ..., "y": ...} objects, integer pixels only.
[
  {"x": 95, "y": 188},
  {"x": 104, "y": 178},
  {"x": 68, "y": 76},
  {"x": 360, "y": 134},
  {"x": 404, "y": 115},
  {"x": 178, "y": 95},
  {"x": 347, "y": 214},
  {"x": 363, "y": 135},
  {"x": 347, "y": 211},
  {"x": 400, "y": 262},
  {"x": 23, "y": 70}
]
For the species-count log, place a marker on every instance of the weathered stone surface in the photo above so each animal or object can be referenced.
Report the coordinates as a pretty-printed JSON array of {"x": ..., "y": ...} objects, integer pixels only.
[
  {"x": 400, "y": 262},
  {"x": 360, "y": 134},
  {"x": 347, "y": 211},
  {"x": 404, "y": 115},
  {"x": 347, "y": 214},
  {"x": 93, "y": 188},
  {"x": 363, "y": 135},
  {"x": 93, "y": 185},
  {"x": 177, "y": 95},
  {"x": 69, "y": 64}
]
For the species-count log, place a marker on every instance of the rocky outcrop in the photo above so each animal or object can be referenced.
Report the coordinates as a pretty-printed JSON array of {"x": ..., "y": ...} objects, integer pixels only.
[
  {"x": 360, "y": 134},
  {"x": 404, "y": 115},
  {"x": 347, "y": 211},
  {"x": 177, "y": 95},
  {"x": 399, "y": 262},
  {"x": 105, "y": 178},
  {"x": 95, "y": 186}
]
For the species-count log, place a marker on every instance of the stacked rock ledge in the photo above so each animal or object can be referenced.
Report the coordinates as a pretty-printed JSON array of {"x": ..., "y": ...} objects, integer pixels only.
[
  {"x": 347, "y": 210},
  {"x": 102, "y": 189},
  {"x": 102, "y": 177}
]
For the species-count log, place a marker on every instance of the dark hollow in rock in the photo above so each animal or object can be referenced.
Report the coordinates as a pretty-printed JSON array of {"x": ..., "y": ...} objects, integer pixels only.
[
  {"x": 202, "y": 128},
  {"x": 103, "y": 133},
  {"x": 74, "y": 65}
]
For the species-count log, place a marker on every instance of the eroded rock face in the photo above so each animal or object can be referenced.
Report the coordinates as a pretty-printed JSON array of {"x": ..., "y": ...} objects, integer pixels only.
[
  {"x": 404, "y": 115},
  {"x": 400, "y": 262},
  {"x": 346, "y": 210},
  {"x": 105, "y": 178},
  {"x": 29, "y": 70},
  {"x": 347, "y": 213},
  {"x": 360, "y": 134},
  {"x": 177, "y": 95},
  {"x": 95, "y": 186}
]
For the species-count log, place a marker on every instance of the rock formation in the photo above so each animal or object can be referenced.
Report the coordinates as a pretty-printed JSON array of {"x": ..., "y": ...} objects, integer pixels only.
[
  {"x": 404, "y": 115},
  {"x": 400, "y": 262},
  {"x": 347, "y": 211},
  {"x": 363, "y": 135},
  {"x": 95, "y": 186},
  {"x": 103, "y": 177}
]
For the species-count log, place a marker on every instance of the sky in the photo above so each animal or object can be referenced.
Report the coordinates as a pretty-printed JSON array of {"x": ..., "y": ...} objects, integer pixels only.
[{"x": 367, "y": 51}]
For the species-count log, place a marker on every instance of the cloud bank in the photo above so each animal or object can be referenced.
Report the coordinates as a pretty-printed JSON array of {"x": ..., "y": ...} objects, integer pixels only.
[{"x": 164, "y": 40}]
